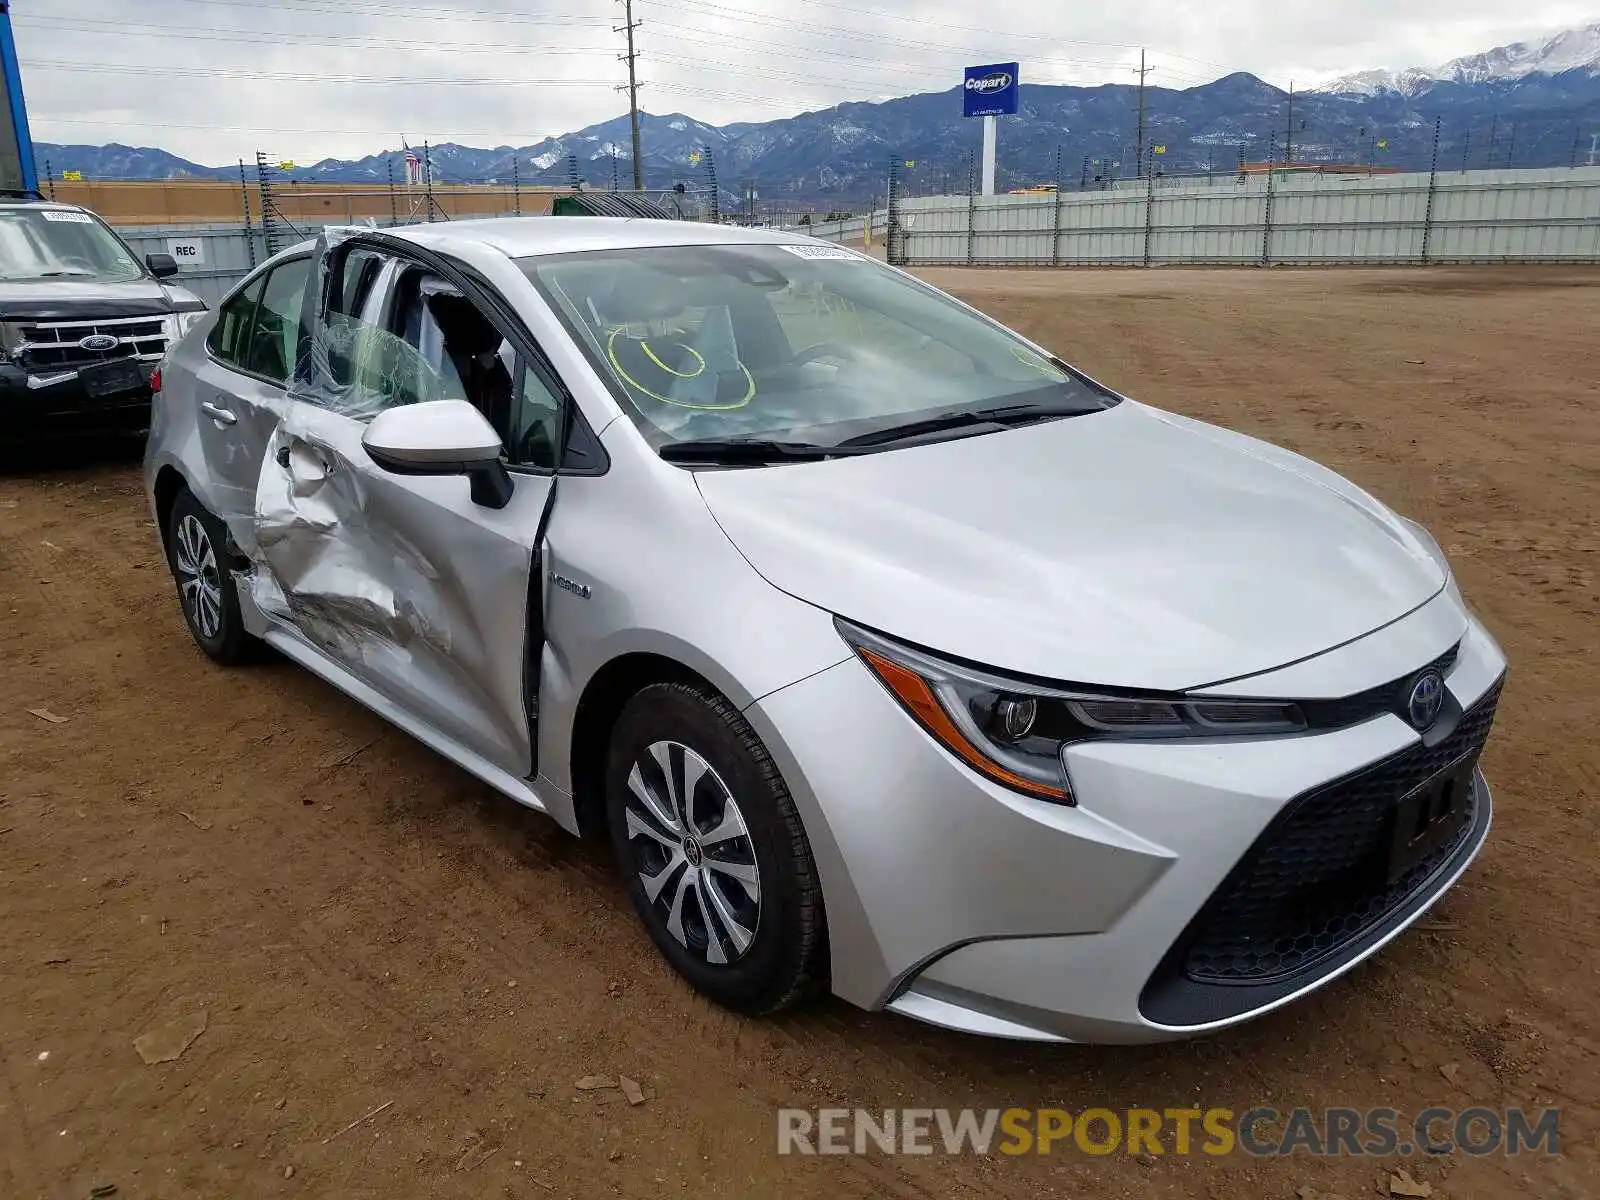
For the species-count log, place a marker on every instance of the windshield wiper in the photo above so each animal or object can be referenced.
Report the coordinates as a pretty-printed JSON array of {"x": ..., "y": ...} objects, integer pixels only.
[
  {"x": 61, "y": 274},
  {"x": 1003, "y": 416},
  {"x": 748, "y": 450}
]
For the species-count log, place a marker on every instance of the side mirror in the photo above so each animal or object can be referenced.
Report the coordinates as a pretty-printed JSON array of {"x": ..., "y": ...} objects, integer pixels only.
[
  {"x": 441, "y": 437},
  {"x": 162, "y": 266}
]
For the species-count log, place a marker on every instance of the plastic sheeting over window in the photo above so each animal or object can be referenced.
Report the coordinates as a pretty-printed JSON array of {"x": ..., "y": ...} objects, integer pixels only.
[{"x": 324, "y": 560}]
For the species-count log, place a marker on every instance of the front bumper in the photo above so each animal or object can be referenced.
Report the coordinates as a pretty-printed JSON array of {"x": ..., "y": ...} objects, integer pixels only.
[
  {"x": 58, "y": 405},
  {"x": 964, "y": 904}
]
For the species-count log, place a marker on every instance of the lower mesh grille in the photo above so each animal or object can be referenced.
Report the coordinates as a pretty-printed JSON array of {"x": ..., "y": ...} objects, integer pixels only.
[{"x": 1318, "y": 876}]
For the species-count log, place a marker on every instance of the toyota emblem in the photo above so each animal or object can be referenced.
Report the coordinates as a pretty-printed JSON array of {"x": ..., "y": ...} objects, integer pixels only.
[
  {"x": 1426, "y": 699},
  {"x": 97, "y": 341}
]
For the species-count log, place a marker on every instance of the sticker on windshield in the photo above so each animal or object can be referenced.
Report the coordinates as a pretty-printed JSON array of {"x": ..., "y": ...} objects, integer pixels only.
[
  {"x": 822, "y": 252},
  {"x": 71, "y": 218}
]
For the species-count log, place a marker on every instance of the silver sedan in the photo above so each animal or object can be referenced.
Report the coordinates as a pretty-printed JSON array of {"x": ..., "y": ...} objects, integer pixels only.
[{"x": 892, "y": 653}]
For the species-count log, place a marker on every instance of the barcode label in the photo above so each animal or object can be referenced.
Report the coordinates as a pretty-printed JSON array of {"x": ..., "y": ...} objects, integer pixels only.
[{"x": 823, "y": 252}]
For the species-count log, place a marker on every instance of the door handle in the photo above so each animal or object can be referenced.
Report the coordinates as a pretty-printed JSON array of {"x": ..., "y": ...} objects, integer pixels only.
[{"x": 217, "y": 414}]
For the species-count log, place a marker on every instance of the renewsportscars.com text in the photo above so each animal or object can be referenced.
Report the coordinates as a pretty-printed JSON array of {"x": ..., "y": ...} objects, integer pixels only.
[{"x": 1263, "y": 1132}]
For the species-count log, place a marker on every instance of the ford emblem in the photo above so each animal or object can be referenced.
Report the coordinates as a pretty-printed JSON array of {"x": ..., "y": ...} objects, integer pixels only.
[
  {"x": 97, "y": 341},
  {"x": 1426, "y": 699},
  {"x": 983, "y": 84}
]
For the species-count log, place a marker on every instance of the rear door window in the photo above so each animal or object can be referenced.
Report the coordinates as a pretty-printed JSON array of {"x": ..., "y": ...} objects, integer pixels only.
[
  {"x": 228, "y": 336},
  {"x": 279, "y": 332}
]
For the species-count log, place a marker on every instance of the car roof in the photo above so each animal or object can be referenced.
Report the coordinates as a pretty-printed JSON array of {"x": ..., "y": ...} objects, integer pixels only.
[
  {"x": 523, "y": 237},
  {"x": 21, "y": 202}
]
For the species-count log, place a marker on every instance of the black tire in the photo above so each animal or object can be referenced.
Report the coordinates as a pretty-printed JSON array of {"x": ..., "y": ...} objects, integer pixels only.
[
  {"x": 786, "y": 959},
  {"x": 227, "y": 643}
]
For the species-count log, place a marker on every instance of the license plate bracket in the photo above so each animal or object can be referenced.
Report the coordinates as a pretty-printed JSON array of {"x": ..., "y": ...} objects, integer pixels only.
[
  {"x": 1429, "y": 816},
  {"x": 107, "y": 379}
]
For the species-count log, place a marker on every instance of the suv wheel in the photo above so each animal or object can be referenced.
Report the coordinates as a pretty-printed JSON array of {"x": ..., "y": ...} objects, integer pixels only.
[
  {"x": 708, "y": 838},
  {"x": 206, "y": 592}
]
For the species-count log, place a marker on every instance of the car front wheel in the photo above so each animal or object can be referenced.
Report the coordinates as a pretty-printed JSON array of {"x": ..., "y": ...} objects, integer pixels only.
[{"x": 708, "y": 837}]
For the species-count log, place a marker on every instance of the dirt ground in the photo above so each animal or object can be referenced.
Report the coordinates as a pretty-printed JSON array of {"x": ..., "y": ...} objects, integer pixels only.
[{"x": 369, "y": 932}]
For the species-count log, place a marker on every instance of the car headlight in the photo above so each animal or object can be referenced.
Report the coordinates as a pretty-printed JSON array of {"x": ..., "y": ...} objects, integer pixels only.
[
  {"x": 1436, "y": 552},
  {"x": 1015, "y": 731},
  {"x": 176, "y": 324}
]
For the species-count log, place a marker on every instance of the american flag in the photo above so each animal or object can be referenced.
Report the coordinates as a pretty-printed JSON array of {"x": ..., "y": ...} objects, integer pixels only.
[{"x": 413, "y": 169}]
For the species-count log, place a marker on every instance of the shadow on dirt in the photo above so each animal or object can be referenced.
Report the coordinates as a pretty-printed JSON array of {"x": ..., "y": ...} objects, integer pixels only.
[{"x": 66, "y": 456}]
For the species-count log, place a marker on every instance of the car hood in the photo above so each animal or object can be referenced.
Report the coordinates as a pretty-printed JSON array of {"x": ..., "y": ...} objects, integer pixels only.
[
  {"x": 68, "y": 299},
  {"x": 1129, "y": 547}
]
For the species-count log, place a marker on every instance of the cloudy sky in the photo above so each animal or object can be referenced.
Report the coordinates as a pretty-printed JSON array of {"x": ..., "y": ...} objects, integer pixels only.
[{"x": 215, "y": 80}]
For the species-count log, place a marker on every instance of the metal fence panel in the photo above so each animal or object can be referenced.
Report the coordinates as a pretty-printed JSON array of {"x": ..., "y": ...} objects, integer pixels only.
[
  {"x": 225, "y": 254},
  {"x": 1547, "y": 215}
]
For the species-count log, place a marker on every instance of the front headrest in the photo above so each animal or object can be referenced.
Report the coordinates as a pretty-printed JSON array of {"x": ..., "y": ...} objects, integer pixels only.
[
  {"x": 464, "y": 327},
  {"x": 635, "y": 295}
]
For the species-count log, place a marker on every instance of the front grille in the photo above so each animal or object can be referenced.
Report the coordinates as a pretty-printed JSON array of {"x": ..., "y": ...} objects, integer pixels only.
[
  {"x": 1388, "y": 697},
  {"x": 52, "y": 346},
  {"x": 1317, "y": 877}
]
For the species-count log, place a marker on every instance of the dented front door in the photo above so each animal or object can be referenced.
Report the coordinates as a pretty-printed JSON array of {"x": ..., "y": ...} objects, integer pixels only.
[{"x": 402, "y": 580}]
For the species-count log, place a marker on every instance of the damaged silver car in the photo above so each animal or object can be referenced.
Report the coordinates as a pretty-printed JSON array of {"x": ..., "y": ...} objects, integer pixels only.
[{"x": 890, "y": 652}]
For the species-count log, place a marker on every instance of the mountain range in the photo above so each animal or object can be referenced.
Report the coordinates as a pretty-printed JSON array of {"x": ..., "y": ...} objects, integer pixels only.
[
  {"x": 1570, "y": 50},
  {"x": 1524, "y": 105}
]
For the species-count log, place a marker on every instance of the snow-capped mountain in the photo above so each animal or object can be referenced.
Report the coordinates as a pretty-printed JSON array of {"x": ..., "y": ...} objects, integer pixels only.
[{"x": 1570, "y": 50}]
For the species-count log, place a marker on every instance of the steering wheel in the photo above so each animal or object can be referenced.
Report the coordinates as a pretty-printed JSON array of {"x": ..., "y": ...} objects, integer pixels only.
[{"x": 827, "y": 350}]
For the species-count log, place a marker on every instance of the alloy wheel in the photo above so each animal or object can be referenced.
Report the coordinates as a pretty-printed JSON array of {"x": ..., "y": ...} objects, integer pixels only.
[
  {"x": 199, "y": 582},
  {"x": 693, "y": 852}
]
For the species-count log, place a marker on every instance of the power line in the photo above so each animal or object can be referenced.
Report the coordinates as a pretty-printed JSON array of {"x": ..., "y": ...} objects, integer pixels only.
[
  {"x": 371, "y": 7},
  {"x": 512, "y": 17},
  {"x": 305, "y": 77},
  {"x": 103, "y": 121},
  {"x": 675, "y": 32},
  {"x": 852, "y": 35},
  {"x": 166, "y": 32},
  {"x": 356, "y": 8},
  {"x": 334, "y": 41},
  {"x": 877, "y": 64}
]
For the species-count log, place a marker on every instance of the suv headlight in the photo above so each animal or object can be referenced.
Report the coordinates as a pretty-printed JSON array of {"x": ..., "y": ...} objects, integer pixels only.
[
  {"x": 1015, "y": 731},
  {"x": 176, "y": 324}
]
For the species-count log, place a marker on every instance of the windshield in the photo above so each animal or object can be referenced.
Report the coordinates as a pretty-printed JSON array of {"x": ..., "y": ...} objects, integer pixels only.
[
  {"x": 59, "y": 243},
  {"x": 809, "y": 344}
]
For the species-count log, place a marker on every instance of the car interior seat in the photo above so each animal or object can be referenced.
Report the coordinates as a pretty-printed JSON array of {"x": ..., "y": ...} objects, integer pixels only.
[{"x": 472, "y": 344}]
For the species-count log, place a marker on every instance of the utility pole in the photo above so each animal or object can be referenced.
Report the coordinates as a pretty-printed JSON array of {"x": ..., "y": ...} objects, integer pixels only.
[
  {"x": 427, "y": 178},
  {"x": 1138, "y": 149},
  {"x": 632, "y": 58},
  {"x": 249, "y": 228},
  {"x": 1288, "y": 134}
]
